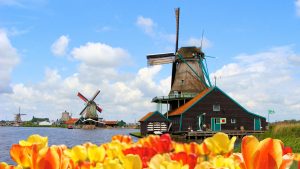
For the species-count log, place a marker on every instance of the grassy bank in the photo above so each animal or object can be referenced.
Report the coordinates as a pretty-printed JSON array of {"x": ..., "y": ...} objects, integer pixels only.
[
  {"x": 288, "y": 133},
  {"x": 136, "y": 134}
]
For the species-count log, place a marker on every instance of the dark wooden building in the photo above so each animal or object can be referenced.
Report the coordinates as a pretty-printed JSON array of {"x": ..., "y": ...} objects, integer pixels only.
[
  {"x": 212, "y": 109},
  {"x": 154, "y": 123}
]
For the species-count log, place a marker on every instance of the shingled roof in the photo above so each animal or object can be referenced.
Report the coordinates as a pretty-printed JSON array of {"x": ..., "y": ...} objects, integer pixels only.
[
  {"x": 184, "y": 107},
  {"x": 201, "y": 95}
]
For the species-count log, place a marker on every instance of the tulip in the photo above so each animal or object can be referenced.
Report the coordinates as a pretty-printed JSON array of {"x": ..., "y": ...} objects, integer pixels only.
[
  {"x": 122, "y": 139},
  {"x": 78, "y": 153},
  {"x": 164, "y": 162},
  {"x": 220, "y": 144},
  {"x": 267, "y": 153},
  {"x": 96, "y": 154},
  {"x": 22, "y": 155},
  {"x": 132, "y": 162},
  {"x": 145, "y": 153},
  {"x": 185, "y": 158},
  {"x": 35, "y": 139}
]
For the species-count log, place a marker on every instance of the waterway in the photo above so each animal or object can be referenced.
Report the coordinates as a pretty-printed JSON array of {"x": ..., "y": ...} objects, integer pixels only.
[{"x": 56, "y": 136}]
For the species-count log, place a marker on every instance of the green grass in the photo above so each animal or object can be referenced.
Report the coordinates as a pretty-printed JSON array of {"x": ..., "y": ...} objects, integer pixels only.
[
  {"x": 288, "y": 133},
  {"x": 136, "y": 134}
]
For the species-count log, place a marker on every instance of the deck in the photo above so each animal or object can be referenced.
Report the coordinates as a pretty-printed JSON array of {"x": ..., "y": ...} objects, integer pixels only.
[{"x": 204, "y": 134}]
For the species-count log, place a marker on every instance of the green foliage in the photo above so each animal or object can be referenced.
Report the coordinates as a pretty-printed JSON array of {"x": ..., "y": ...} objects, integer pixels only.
[
  {"x": 121, "y": 123},
  {"x": 288, "y": 133}
]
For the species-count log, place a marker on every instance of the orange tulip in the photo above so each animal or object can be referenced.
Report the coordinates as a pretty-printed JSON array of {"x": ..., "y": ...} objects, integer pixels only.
[
  {"x": 185, "y": 158},
  {"x": 122, "y": 139},
  {"x": 22, "y": 155},
  {"x": 267, "y": 153}
]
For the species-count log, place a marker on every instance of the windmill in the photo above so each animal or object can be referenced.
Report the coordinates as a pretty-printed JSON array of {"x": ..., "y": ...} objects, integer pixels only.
[
  {"x": 189, "y": 72},
  {"x": 89, "y": 112},
  {"x": 18, "y": 119}
]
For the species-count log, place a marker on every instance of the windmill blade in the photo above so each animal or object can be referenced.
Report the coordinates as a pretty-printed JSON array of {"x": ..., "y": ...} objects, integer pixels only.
[
  {"x": 82, "y": 97},
  {"x": 83, "y": 109},
  {"x": 99, "y": 109},
  {"x": 95, "y": 95},
  {"x": 158, "y": 59},
  {"x": 177, "y": 14},
  {"x": 210, "y": 56}
]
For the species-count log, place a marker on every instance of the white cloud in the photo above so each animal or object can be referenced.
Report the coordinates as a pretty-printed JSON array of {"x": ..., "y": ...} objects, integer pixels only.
[
  {"x": 197, "y": 42},
  {"x": 100, "y": 55},
  {"x": 124, "y": 96},
  {"x": 265, "y": 80},
  {"x": 9, "y": 58},
  {"x": 60, "y": 46},
  {"x": 297, "y": 3},
  {"x": 146, "y": 24}
]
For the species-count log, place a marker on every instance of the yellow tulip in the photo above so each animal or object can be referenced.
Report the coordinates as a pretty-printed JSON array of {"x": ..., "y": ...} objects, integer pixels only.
[
  {"x": 35, "y": 139},
  {"x": 204, "y": 165},
  {"x": 163, "y": 161},
  {"x": 112, "y": 164},
  {"x": 220, "y": 143},
  {"x": 78, "y": 153},
  {"x": 95, "y": 153},
  {"x": 132, "y": 162},
  {"x": 223, "y": 162}
]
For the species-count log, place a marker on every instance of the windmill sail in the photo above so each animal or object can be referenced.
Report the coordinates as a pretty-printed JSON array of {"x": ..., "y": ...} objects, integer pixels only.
[{"x": 158, "y": 59}]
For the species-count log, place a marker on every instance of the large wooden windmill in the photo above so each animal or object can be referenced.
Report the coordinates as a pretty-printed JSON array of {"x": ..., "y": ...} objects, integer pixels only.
[
  {"x": 89, "y": 112},
  {"x": 189, "y": 72}
]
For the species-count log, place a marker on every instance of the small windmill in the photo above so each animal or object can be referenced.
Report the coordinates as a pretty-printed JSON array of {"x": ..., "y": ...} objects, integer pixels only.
[
  {"x": 189, "y": 72},
  {"x": 89, "y": 112},
  {"x": 18, "y": 119}
]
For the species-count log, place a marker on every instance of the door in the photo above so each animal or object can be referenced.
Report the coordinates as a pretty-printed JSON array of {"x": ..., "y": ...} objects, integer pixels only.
[
  {"x": 257, "y": 124},
  {"x": 215, "y": 124}
]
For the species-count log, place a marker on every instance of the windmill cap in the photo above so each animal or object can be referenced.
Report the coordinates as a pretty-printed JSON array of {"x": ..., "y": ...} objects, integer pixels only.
[{"x": 189, "y": 51}]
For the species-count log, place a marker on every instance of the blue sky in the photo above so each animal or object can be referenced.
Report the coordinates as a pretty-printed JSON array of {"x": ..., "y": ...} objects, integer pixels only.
[{"x": 49, "y": 50}]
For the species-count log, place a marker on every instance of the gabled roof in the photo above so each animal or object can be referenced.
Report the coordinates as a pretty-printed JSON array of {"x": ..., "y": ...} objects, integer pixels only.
[
  {"x": 199, "y": 97},
  {"x": 148, "y": 115},
  {"x": 187, "y": 105}
]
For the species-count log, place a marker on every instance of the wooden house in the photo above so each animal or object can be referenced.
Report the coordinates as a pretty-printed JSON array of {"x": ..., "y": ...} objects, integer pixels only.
[
  {"x": 212, "y": 109},
  {"x": 154, "y": 122}
]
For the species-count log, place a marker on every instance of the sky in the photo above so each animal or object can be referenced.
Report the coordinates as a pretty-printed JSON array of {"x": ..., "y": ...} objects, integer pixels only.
[{"x": 50, "y": 50}]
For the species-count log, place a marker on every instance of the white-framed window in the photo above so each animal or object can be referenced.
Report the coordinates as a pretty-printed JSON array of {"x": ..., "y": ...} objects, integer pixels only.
[
  {"x": 233, "y": 120},
  {"x": 216, "y": 107}
]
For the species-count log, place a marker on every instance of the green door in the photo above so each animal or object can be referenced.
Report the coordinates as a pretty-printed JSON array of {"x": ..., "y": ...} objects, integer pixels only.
[
  {"x": 257, "y": 124},
  {"x": 215, "y": 124}
]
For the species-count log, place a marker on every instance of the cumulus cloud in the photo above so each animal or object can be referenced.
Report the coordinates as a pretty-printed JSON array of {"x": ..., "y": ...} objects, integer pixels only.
[
  {"x": 124, "y": 95},
  {"x": 265, "y": 80},
  {"x": 146, "y": 24},
  {"x": 99, "y": 54},
  {"x": 9, "y": 58},
  {"x": 59, "y": 47},
  {"x": 297, "y": 3},
  {"x": 197, "y": 42}
]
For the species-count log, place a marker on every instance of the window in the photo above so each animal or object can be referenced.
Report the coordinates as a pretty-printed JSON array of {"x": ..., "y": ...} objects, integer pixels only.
[
  {"x": 233, "y": 120},
  {"x": 216, "y": 107},
  {"x": 218, "y": 121}
]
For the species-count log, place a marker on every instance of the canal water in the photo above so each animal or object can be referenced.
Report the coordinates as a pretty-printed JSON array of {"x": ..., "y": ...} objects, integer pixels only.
[{"x": 57, "y": 136}]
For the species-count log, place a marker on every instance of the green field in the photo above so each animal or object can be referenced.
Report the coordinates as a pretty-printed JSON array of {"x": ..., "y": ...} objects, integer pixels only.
[{"x": 288, "y": 133}]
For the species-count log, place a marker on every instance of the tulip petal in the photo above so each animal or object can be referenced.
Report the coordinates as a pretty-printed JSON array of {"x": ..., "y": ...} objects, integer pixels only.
[{"x": 249, "y": 145}]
